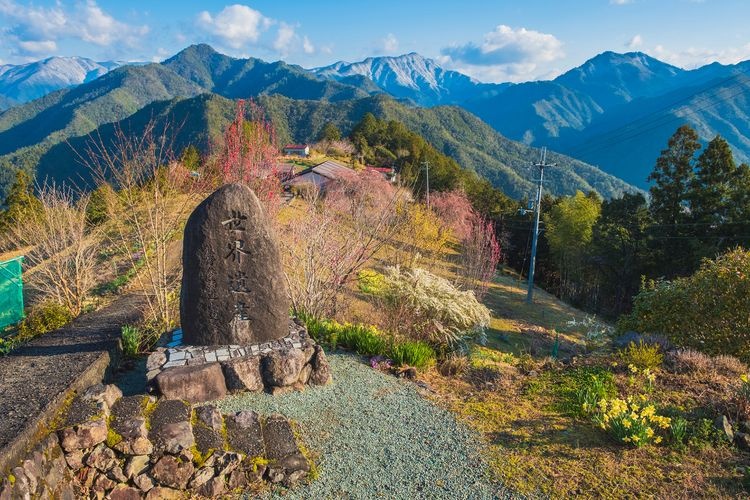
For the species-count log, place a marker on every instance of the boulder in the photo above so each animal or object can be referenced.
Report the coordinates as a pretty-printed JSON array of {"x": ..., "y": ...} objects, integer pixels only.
[
  {"x": 234, "y": 290},
  {"x": 724, "y": 426},
  {"x": 125, "y": 492},
  {"x": 171, "y": 472},
  {"x": 136, "y": 465},
  {"x": 743, "y": 440},
  {"x": 104, "y": 394},
  {"x": 143, "y": 482},
  {"x": 156, "y": 359},
  {"x": 321, "y": 370},
  {"x": 129, "y": 423},
  {"x": 82, "y": 436},
  {"x": 161, "y": 493},
  {"x": 281, "y": 367},
  {"x": 214, "y": 487},
  {"x": 243, "y": 374},
  {"x": 192, "y": 383},
  {"x": 208, "y": 429},
  {"x": 102, "y": 458}
]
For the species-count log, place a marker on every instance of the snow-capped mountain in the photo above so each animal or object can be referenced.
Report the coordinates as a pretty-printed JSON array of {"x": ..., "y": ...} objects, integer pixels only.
[
  {"x": 25, "y": 82},
  {"x": 410, "y": 76}
]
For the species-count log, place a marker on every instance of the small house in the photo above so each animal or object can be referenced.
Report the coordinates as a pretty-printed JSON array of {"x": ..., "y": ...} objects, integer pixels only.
[
  {"x": 302, "y": 150},
  {"x": 388, "y": 172},
  {"x": 320, "y": 175}
]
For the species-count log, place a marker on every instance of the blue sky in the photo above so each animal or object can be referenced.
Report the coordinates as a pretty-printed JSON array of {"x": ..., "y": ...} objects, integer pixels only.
[{"x": 492, "y": 40}]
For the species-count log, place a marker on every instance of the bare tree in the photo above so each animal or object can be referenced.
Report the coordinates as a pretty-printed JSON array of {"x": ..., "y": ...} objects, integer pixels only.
[
  {"x": 151, "y": 196},
  {"x": 63, "y": 247},
  {"x": 335, "y": 235}
]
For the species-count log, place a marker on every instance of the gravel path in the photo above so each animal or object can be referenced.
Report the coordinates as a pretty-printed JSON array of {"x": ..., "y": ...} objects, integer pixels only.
[{"x": 377, "y": 437}]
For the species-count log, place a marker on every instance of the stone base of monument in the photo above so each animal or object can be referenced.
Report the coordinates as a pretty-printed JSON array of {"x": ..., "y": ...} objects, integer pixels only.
[
  {"x": 204, "y": 373},
  {"x": 135, "y": 447}
]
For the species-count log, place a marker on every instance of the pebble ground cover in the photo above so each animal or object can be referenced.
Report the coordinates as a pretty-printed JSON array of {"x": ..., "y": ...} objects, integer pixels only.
[{"x": 375, "y": 436}]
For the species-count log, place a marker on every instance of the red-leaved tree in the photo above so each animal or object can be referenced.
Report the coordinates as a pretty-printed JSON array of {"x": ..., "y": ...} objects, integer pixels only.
[
  {"x": 480, "y": 249},
  {"x": 249, "y": 154}
]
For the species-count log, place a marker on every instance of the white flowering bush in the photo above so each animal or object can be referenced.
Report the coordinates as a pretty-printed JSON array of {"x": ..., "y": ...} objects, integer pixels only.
[{"x": 428, "y": 307}]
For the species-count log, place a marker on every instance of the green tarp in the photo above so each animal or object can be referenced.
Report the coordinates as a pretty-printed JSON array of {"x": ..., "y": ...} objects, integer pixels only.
[{"x": 11, "y": 292}]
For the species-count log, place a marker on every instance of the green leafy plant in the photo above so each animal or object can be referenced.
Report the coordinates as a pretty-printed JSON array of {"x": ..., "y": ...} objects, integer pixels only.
[
  {"x": 678, "y": 431},
  {"x": 43, "y": 318},
  {"x": 704, "y": 434},
  {"x": 642, "y": 355},
  {"x": 581, "y": 390},
  {"x": 412, "y": 353},
  {"x": 131, "y": 340},
  {"x": 367, "y": 340}
]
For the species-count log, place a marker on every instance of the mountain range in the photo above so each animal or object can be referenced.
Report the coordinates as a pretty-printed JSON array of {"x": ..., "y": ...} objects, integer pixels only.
[
  {"x": 195, "y": 88},
  {"x": 615, "y": 111},
  {"x": 25, "y": 82}
]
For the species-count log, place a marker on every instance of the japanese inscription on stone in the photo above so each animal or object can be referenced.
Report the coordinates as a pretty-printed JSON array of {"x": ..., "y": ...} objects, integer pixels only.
[{"x": 232, "y": 285}]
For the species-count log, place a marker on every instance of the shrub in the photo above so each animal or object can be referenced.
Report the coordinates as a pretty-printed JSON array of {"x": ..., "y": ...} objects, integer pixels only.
[
  {"x": 131, "y": 340},
  {"x": 703, "y": 433},
  {"x": 453, "y": 365},
  {"x": 370, "y": 282},
  {"x": 642, "y": 355},
  {"x": 631, "y": 422},
  {"x": 729, "y": 366},
  {"x": 741, "y": 398},
  {"x": 428, "y": 307},
  {"x": 597, "y": 334},
  {"x": 413, "y": 353},
  {"x": 43, "y": 318},
  {"x": 707, "y": 310},
  {"x": 689, "y": 361}
]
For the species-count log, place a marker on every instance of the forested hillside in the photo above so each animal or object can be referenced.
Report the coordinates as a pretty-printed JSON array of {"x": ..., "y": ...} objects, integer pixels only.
[{"x": 41, "y": 133}]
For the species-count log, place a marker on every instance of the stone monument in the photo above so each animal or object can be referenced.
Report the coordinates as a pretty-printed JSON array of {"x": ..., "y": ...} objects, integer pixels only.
[
  {"x": 236, "y": 331},
  {"x": 233, "y": 288}
]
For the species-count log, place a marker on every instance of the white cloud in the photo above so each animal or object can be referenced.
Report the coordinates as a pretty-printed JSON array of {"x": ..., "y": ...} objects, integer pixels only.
[
  {"x": 635, "y": 42},
  {"x": 505, "y": 54},
  {"x": 33, "y": 30},
  {"x": 390, "y": 43},
  {"x": 307, "y": 46},
  {"x": 284, "y": 38},
  {"x": 694, "y": 57},
  {"x": 236, "y": 25},
  {"x": 620, "y": 2},
  {"x": 38, "y": 47}
]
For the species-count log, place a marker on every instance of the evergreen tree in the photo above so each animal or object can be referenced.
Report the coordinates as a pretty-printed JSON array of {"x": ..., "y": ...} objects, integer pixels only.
[
  {"x": 738, "y": 224},
  {"x": 330, "y": 132},
  {"x": 673, "y": 176},
  {"x": 20, "y": 201},
  {"x": 710, "y": 195},
  {"x": 620, "y": 251},
  {"x": 191, "y": 158}
]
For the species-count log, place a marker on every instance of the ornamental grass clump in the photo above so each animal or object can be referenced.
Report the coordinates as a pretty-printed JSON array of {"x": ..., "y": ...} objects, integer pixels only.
[
  {"x": 631, "y": 421},
  {"x": 427, "y": 307}
]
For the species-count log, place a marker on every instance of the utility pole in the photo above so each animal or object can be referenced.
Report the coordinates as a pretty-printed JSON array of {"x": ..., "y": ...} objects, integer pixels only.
[
  {"x": 427, "y": 177},
  {"x": 537, "y": 209}
]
